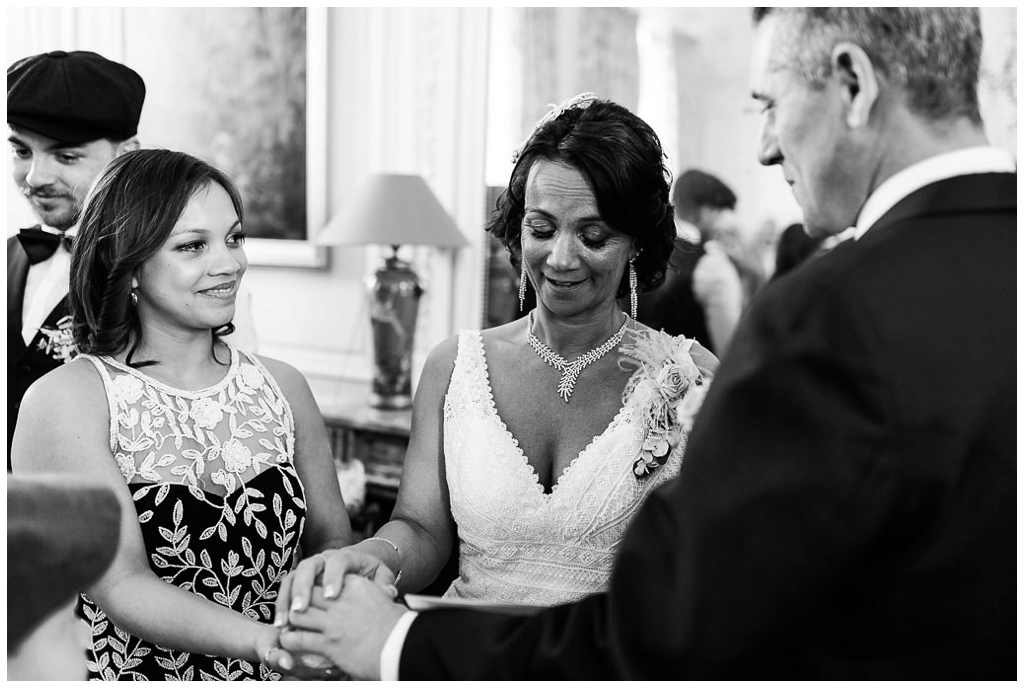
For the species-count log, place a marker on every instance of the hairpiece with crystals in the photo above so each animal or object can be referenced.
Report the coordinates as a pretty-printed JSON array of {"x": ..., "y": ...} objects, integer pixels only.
[{"x": 580, "y": 102}]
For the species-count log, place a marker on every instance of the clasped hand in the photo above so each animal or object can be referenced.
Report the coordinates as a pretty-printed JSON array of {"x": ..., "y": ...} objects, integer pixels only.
[{"x": 339, "y": 605}]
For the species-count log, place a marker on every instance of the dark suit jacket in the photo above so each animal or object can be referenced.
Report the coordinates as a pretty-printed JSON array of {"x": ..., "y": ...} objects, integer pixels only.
[
  {"x": 794, "y": 247},
  {"x": 847, "y": 505},
  {"x": 25, "y": 363}
]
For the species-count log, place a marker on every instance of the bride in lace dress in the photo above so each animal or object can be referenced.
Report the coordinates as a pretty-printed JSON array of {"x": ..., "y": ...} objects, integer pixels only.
[
  {"x": 220, "y": 459},
  {"x": 534, "y": 443}
]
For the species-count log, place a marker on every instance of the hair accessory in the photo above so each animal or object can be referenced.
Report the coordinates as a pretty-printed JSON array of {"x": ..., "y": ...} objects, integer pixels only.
[
  {"x": 580, "y": 102},
  {"x": 522, "y": 287},
  {"x": 571, "y": 371},
  {"x": 632, "y": 288},
  {"x": 665, "y": 394}
]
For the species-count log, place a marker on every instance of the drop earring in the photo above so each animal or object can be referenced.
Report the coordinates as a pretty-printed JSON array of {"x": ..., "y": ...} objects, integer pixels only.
[
  {"x": 632, "y": 288},
  {"x": 522, "y": 287}
]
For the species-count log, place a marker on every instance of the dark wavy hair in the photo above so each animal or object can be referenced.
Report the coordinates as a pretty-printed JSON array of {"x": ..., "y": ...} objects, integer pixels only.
[
  {"x": 128, "y": 215},
  {"x": 622, "y": 159}
]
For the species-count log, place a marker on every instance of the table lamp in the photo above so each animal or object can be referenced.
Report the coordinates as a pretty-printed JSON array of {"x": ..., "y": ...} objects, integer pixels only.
[{"x": 392, "y": 209}]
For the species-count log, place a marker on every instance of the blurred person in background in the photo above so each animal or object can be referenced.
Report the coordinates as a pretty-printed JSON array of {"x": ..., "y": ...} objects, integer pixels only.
[{"x": 62, "y": 535}]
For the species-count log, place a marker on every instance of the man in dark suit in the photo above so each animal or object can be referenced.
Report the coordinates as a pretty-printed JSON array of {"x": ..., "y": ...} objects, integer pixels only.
[
  {"x": 702, "y": 296},
  {"x": 68, "y": 115},
  {"x": 847, "y": 505}
]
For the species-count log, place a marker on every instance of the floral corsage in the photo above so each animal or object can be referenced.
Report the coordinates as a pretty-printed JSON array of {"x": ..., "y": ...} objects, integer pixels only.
[
  {"x": 668, "y": 391},
  {"x": 59, "y": 341}
]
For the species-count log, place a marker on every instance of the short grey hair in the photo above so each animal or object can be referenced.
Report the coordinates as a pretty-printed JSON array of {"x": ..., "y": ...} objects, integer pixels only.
[{"x": 932, "y": 53}]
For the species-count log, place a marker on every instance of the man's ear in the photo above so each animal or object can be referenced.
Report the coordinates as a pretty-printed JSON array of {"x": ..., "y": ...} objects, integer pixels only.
[
  {"x": 128, "y": 145},
  {"x": 858, "y": 81}
]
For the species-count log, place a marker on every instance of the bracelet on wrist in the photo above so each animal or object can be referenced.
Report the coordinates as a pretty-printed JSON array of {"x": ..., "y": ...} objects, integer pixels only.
[{"x": 398, "y": 575}]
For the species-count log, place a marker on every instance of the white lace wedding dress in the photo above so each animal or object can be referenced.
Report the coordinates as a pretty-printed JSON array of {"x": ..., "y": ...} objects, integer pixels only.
[{"x": 518, "y": 544}]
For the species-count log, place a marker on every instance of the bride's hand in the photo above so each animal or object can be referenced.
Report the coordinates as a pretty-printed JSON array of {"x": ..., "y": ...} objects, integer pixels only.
[{"x": 327, "y": 568}]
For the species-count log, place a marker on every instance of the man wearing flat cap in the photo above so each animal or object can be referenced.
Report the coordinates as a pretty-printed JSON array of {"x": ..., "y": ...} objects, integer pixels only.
[
  {"x": 68, "y": 115},
  {"x": 62, "y": 534}
]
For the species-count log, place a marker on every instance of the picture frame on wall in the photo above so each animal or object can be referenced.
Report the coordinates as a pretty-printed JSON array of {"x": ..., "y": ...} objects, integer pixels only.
[{"x": 244, "y": 88}]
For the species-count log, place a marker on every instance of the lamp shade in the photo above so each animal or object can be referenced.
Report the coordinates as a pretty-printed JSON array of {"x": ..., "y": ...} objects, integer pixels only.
[{"x": 394, "y": 209}]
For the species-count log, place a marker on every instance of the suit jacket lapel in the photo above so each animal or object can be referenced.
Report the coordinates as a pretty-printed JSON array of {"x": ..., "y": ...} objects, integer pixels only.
[
  {"x": 976, "y": 193},
  {"x": 17, "y": 274}
]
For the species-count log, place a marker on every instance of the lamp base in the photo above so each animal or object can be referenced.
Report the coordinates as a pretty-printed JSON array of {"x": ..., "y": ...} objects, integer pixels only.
[
  {"x": 390, "y": 402},
  {"x": 394, "y": 293}
]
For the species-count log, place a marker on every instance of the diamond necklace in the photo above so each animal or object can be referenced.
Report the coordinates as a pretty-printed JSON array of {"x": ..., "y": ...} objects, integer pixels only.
[{"x": 571, "y": 370}]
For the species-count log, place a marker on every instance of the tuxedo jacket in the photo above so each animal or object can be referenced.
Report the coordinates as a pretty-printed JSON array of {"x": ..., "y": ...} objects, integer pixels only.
[
  {"x": 846, "y": 507},
  {"x": 26, "y": 363}
]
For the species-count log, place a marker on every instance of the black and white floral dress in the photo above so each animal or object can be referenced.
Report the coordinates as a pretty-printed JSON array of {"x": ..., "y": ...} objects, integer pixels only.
[{"x": 220, "y": 505}]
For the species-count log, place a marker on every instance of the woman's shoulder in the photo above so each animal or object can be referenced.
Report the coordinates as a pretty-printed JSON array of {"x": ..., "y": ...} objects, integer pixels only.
[
  {"x": 509, "y": 334},
  {"x": 287, "y": 376},
  {"x": 74, "y": 387},
  {"x": 645, "y": 333},
  {"x": 441, "y": 360},
  {"x": 657, "y": 348}
]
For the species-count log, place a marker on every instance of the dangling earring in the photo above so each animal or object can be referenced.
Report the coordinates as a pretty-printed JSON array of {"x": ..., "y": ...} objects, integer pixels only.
[
  {"x": 134, "y": 297},
  {"x": 632, "y": 288},
  {"x": 522, "y": 288}
]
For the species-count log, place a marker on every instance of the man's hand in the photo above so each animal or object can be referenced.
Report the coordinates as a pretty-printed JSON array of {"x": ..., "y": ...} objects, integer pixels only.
[{"x": 349, "y": 630}]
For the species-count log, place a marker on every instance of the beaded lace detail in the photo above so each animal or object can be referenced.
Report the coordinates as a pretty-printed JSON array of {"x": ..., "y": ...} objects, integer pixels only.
[
  {"x": 518, "y": 544},
  {"x": 213, "y": 439}
]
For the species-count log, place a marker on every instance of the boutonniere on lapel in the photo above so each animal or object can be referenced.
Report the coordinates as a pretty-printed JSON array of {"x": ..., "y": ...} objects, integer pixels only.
[
  {"x": 668, "y": 392},
  {"x": 59, "y": 341}
]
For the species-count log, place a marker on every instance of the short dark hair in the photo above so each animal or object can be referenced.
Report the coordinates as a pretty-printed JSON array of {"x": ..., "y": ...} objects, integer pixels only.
[
  {"x": 621, "y": 158},
  {"x": 933, "y": 53},
  {"x": 128, "y": 216},
  {"x": 696, "y": 189}
]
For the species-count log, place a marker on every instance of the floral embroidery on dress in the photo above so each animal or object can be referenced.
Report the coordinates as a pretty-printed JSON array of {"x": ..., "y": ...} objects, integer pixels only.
[{"x": 219, "y": 503}]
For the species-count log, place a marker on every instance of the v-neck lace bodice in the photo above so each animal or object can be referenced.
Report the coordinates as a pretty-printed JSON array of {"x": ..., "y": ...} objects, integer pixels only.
[{"x": 518, "y": 544}]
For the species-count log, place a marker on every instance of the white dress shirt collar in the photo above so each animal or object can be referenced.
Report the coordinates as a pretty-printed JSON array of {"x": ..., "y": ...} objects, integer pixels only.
[
  {"x": 975, "y": 160},
  {"x": 71, "y": 231}
]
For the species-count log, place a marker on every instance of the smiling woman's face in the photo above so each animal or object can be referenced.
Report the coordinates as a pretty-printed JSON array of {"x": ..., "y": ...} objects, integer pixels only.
[
  {"x": 575, "y": 259},
  {"x": 191, "y": 282}
]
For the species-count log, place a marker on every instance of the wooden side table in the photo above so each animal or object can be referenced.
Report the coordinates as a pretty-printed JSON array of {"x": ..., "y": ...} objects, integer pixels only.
[{"x": 375, "y": 437}]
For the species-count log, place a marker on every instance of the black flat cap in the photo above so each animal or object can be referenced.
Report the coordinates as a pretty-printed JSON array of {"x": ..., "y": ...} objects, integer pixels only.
[
  {"x": 62, "y": 534},
  {"x": 74, "y": 97}
]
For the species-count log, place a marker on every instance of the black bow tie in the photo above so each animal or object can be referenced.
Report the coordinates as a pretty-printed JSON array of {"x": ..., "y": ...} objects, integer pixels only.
[{"x": 40, "y": 245}]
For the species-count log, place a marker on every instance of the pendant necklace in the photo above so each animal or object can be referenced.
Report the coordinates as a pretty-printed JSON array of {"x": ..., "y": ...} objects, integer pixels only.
[{"x": 571, "y": 370}]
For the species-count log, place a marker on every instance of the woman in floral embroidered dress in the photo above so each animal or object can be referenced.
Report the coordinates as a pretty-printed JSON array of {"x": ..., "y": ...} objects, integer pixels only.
[
  {"x": 534, "y": 442},
  {"x": 220, "y": 459}
]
